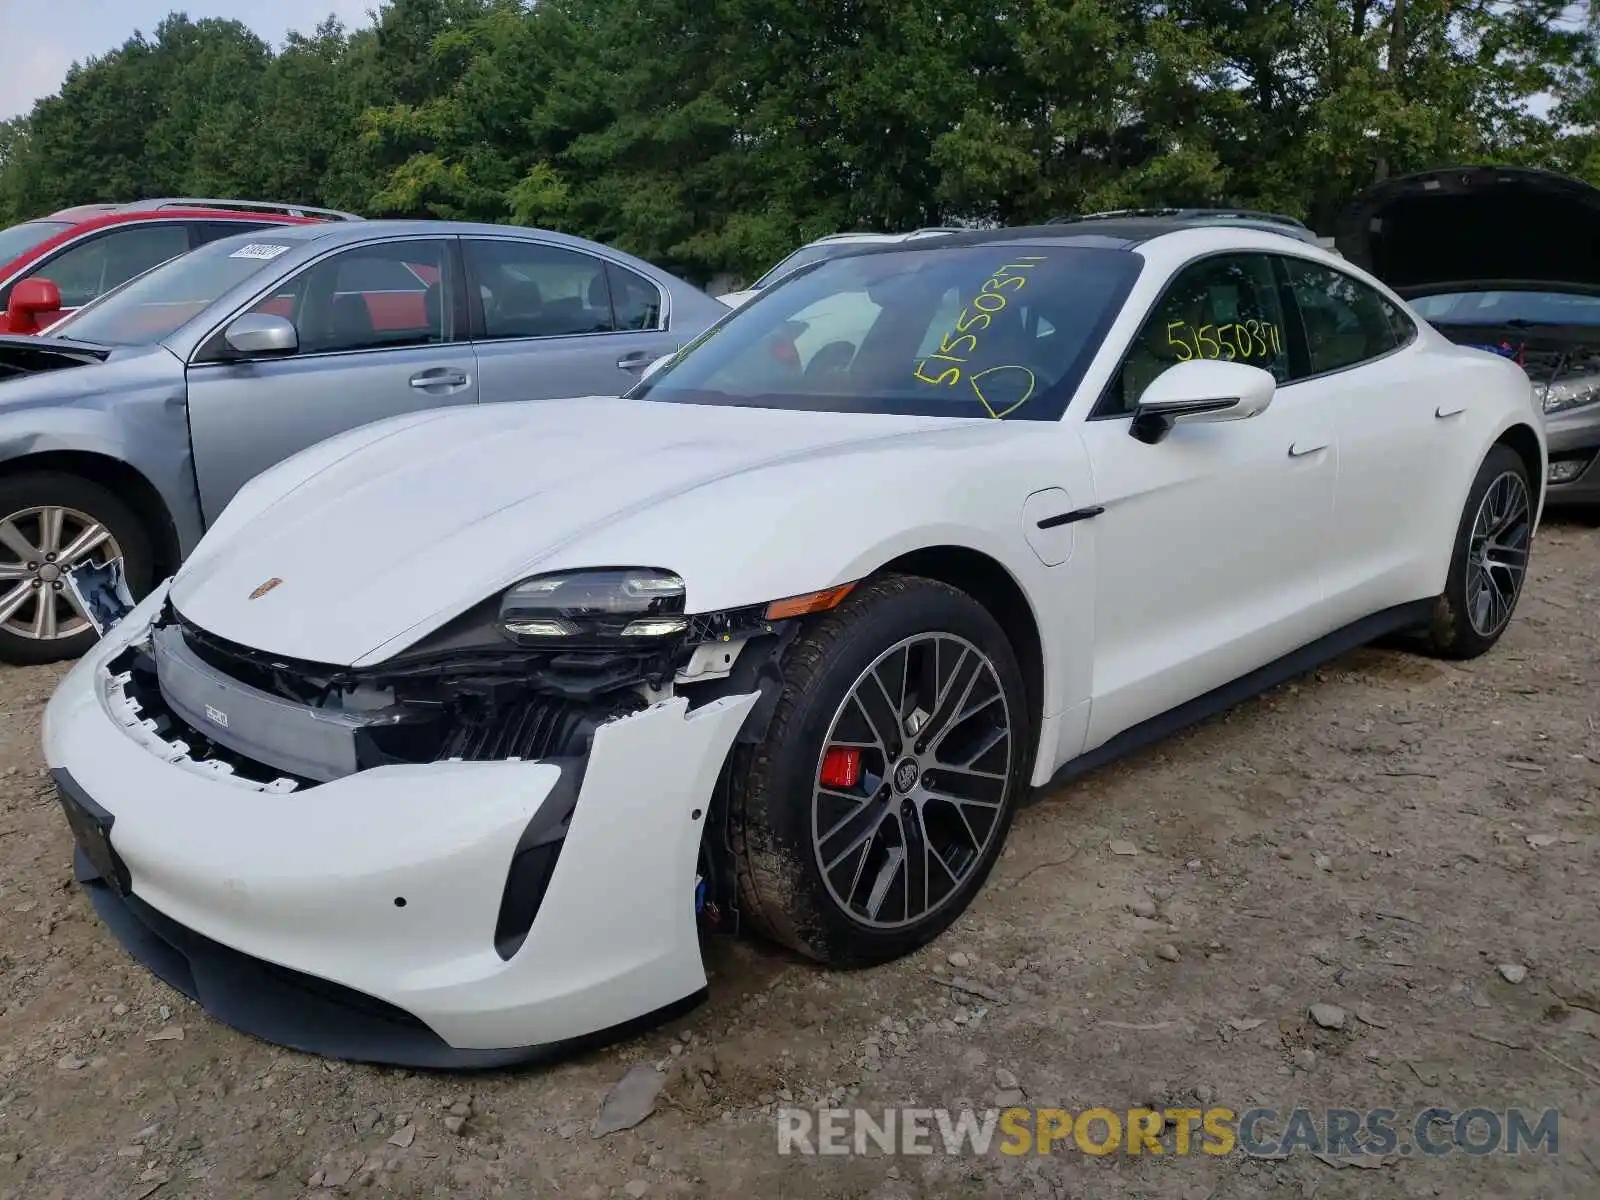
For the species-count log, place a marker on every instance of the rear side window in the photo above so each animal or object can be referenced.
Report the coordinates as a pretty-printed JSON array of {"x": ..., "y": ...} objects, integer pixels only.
[
  {"x": 1346, "y": 322},
  {"x": 1404, "y": 327},
  {"x": 530, "y": 289},
  {"x": 210, "y": 231},
  {"x": 635, "y": 299}
]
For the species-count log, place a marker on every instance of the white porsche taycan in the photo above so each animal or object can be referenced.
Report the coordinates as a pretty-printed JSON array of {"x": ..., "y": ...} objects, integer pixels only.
[{"x": 457, "y": 730}]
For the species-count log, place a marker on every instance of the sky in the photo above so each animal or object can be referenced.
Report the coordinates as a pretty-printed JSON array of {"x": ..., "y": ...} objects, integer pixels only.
[{"x": 40, "y": 39}]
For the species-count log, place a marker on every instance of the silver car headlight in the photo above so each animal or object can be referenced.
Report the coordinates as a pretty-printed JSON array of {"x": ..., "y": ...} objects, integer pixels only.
[
  {"x": 609, "y": 607},
  {"x": 1568, "y": 394}
]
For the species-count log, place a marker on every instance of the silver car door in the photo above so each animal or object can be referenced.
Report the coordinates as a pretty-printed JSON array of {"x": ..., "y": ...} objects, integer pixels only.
[
  {"x": 381, "y": 333},
  {"x": 557, "y": 322}
]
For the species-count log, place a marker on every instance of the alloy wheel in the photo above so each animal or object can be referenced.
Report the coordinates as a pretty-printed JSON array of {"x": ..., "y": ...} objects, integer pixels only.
[
  {"x": 38, "y": 546},
  {"x": 1497, "y": 555},
  {"x": 912, "y": 780}
]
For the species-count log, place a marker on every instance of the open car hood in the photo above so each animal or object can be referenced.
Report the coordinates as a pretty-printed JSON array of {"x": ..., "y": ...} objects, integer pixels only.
[
  {"x": 30, "y": 354},
  {"x": 1461, "y": 229}
]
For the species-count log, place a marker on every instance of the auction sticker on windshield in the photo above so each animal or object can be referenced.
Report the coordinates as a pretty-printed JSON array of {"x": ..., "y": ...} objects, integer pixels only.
[{"x": 261, "y": 250}]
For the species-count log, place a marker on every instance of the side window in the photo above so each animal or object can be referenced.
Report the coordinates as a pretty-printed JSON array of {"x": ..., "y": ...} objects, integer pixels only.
[
  {"x": 634, "y": 299},
  {"x": 210, "y": 231},
  {"x": 534, "y": 290},
  {"x": 1225, "y": 307},
  {"x": 1346, "y": 322},
  {"x": 1403, "y": 326},
  {"x": 92, "y": 268},
  {"x": 368, "y": 298}
]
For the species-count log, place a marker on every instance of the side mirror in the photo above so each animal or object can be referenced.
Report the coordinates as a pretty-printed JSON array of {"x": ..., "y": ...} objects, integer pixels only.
[
  {"x": 1201, "y": 390},
  {"x": 261, "y": 335},
  {"x": 657, "y": 365},
  {"x": 34, "y": 304}
]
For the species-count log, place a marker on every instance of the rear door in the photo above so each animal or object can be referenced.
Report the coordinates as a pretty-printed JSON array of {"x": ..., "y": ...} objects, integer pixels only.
[
  {"x": 1395, "y": 429},
  {"x": 552, "y": 321},
  {"x": 382, "y": 332}
]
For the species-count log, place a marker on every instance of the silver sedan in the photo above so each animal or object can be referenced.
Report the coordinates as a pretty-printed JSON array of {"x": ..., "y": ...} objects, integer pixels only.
[{"x": 126, "y": 430}]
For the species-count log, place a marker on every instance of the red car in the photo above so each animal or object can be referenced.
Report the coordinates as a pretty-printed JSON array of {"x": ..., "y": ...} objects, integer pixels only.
[{"x": 55, "y": 264}]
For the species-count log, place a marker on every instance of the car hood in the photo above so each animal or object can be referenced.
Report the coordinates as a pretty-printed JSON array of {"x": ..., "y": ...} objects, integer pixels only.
[
  {"x": 43, "y": 372},
  {"x": 407, "y": 523},
  {"x": 1475, "y": 228}
]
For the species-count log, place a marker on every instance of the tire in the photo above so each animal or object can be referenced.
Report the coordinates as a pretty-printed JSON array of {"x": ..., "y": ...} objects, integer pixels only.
[
  {"x": 1467, "y": 620},
  {"x": 780, "y": 822},
  {"x": 22, "y": 497}
]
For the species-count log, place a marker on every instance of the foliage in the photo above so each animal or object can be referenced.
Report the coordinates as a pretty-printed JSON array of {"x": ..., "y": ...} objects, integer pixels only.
[{"x": 713, "y": 135}]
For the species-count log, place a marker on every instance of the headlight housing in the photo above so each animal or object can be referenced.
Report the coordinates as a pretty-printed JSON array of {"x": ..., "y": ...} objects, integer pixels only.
[
  {"x": 610, "y": 607},
  {"x": 1568, "y": 393}
]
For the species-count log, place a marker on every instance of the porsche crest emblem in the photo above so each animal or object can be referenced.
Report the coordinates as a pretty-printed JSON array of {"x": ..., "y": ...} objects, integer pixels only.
[{"x": 265, "y": 588}]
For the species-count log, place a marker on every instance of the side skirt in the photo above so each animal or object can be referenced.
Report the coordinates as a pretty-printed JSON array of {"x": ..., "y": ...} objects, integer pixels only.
[{"x": 1401, "y": 617}]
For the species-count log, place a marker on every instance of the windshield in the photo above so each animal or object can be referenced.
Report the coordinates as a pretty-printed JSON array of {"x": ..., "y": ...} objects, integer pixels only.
[
  {"x": 1504, "y": 308},
  {"x": 154, "y": 305},
  {"x": 19, "y": 239},
  {"x": 999, "y": 330},
  {"x": 807, "y": 255}
]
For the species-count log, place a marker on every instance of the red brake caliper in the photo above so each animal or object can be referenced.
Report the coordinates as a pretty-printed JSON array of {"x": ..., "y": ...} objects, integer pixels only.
[{"x": 841, "y": 768}]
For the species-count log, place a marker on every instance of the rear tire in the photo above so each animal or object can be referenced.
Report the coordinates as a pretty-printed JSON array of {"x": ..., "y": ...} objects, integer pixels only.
[
  {"x": 50, "y": 513},
  {"x": 862, "y": 874},
  {"x": 1490, "y": 562}
]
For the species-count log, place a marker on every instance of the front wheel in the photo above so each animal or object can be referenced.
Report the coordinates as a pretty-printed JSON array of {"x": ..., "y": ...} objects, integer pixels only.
[
  {"x": 874, "y": 810},
  {"x": 1490, "y": 561},
  {"x": 51, "y": 522}
]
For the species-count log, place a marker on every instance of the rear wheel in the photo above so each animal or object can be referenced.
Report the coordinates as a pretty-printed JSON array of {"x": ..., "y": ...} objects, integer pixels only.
[
  {"x": 877, "y": 805},
  {"x": 1490, "y": 561},
  {"x": 49, "y": 523}
]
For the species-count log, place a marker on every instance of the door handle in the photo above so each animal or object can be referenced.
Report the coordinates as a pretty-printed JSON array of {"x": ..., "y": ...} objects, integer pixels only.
[
  {"x": 439, "y": 377},
  {"x": 636, "y": 359},
  {"x": 1301, "y": 449},
  {"x": 1449, "y": 410}
]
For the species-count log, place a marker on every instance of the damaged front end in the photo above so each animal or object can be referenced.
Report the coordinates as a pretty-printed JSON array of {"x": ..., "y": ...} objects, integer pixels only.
[
  {"x": 22, "y": 355},
  {"x": 464, "y": 694}
]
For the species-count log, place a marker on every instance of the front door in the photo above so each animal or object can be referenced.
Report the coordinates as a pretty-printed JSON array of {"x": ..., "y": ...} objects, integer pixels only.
[
  {"x": 1207, "y": 556},
  {"x": 379, "y": 336}
]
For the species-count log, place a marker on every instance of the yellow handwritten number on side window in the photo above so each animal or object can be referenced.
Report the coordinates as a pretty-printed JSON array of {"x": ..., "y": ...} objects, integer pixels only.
[{"x": 1237, "y": 340}]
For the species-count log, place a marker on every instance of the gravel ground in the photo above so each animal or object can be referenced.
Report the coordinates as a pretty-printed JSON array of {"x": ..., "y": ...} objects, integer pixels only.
[{"x": 1383, "y": 836}]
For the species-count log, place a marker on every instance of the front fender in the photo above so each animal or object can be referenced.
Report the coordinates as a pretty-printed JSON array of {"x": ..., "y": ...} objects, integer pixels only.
[
  {"x": 154, "y": 446},
  {"x": 801, "y": 527}
]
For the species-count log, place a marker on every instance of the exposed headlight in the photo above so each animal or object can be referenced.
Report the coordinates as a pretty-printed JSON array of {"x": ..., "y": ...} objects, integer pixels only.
[
  {"x": 1569, "y": 393},
  {"x": 589, "y": 608},
  {"x": 1565, "y": 470}
]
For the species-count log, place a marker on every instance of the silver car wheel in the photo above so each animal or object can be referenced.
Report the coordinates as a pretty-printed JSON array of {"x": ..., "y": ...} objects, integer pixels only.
[
  {"x": 37, "y": 548},
  {"x": 1497, "y": 556},
  {"x": 932, "y": 732}
]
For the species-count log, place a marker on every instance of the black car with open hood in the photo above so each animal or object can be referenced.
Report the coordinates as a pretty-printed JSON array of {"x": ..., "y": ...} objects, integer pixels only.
[{"x": 1506, "y": 259}]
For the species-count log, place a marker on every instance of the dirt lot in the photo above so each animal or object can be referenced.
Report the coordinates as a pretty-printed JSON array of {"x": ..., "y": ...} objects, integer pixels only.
[{"x": 1380, "y": 837}]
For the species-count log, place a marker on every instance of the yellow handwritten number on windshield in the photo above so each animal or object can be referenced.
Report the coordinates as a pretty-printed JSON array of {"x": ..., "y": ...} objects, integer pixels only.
[
  {"x": 960, "y": 345},
  {"x": 1027, "y": 391}
]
